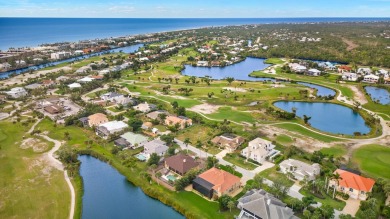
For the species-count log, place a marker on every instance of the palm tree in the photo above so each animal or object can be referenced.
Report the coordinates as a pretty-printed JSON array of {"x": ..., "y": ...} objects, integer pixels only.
[
  {"x": 231, "y": 205},
  {"x": 336, "y": 177}
]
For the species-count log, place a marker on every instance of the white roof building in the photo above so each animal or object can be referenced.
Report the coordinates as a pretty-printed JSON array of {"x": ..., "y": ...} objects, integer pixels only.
[
  {"x": 259, "y": 149},
  {"x": 74, "y": 85},
  {"x": 300, "y": 169},
  {"x": 109, "y": 128},
  {"x": 17, "y": 92},
  {"x": 371, "y": 78},
  {"x": 349, "y": 76}
]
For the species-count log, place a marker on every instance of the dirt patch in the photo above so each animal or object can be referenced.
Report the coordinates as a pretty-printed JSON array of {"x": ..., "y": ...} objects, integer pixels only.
[
  {"x": 205, "y": 108},
  {"x": 358, "y": 95},
  {"x": 173, "y": 96},
  {"x": 37, "y": 145},
  {"x": 234, "y": 89},
  {"x": 350, "y": 44}
]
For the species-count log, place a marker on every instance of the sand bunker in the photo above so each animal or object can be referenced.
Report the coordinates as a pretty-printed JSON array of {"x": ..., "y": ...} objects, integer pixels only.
[
  {"x": 36, "y": 144},
  {"x": 235, "y": 89},
  {"x": 205, "y": 108}
]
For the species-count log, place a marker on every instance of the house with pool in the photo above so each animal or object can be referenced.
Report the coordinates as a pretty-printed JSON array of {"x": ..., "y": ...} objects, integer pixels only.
[
  {"x": 155, "y": 146},
  {"x": 180, "y": 163}
]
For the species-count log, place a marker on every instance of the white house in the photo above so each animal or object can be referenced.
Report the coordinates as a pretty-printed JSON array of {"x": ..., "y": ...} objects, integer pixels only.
[
  {"x": 349, "y": 76},
  {"x": 203, "y": 63},
  {"x": 86, "y": 79},
  {"x": 297, "y": 67},
  {"x": 17, "y": 92},
  {"x": 364, "y": 71},
  {"x": 60, "y": 55},
  {"x": 110, "y": 128},
  {"x": 371, "y": 78},
  {"x": 110, "y": 96},
  {"x": 300, "y": 169},
  {"x": 145, "y": 107},
  {"x": 259, "y": 149},
  {"x": 74, "y": 85},
  {"x": 156, "y": 146},
  {"x": 314, "y": 72}
]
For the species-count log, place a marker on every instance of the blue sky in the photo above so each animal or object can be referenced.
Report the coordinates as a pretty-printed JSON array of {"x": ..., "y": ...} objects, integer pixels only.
[{"x": 194, "y": 8}]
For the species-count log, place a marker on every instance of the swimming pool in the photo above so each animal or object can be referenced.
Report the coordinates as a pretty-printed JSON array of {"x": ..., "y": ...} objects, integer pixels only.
[{"x": 141, "y": 157}]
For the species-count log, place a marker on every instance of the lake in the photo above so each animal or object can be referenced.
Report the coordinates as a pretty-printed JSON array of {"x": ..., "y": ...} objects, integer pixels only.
[
  {"x": 321, "y": 91},
  {"x": 378, "y": 94},
  {"x": 108, "y": 194},
  {"x": 239, "y": 71},
  {"x": 328, "y": 117},
  {"x": 127, "y": 49}
]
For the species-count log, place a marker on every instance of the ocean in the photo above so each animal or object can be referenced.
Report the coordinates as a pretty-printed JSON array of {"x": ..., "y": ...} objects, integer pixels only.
[{"x": 22, "y": 32}]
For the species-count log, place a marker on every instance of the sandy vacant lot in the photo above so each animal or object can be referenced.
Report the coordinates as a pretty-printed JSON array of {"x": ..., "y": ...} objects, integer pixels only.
[
  {"x": 205, "y": 108},
  {"x": 36, "y": 144}
]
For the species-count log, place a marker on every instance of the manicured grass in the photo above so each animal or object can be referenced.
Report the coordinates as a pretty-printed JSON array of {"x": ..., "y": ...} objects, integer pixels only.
[
  {"x": 272, "y": 174},
  {"x": 233, "y": 115},
  {"x": 303, "y": 131},
  {"x": 274, "y": 61},
  {"x": 230, "y": 170},
  {"x": 29, "y": 188},
  {"x": 336, "y": 151},
  {"x": 373, "y": 160},
  {"x": 284, "y": 139},
  {"x": 239, "y": 161},
  {"x": 328, "y": 200}
]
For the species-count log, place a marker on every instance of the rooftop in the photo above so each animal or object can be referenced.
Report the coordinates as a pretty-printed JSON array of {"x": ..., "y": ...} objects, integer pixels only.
[
  {"x": 221, "y": 179},
  {"x": 351, "y": 180}
]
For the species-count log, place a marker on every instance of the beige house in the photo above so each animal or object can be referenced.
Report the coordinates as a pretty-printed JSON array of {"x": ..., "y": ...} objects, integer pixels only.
[
  {"x": 259, "y": 149},
  {"x": 352, "y": 184},
  {"x": 300, "y": 169},
  {"x": 228, "y": 141},
  {"x": 97, "y": 119},
  {"x": 181, "y": 120}
]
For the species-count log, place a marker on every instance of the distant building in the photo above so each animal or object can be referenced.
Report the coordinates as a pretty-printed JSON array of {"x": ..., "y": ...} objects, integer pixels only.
[
  {"x": 349, "y": 76},
  {"x": 371, "y": 78},
  {"x": 313, "y": 72},
  {"x": 17, "y": 92},
  {"x": 145, "y": 107},
  {"x": 110, "y": 96},
  {"x": 228, "y": 141},
  {"x": 215, "y": 183},
  {"x": 60, "y": 55},
  {"x": 181, "y": 120},
  {"x": 74, "y": 86},
  {"x": 203, "y": 63},
  {"x": 155, "y": 114},
  {"x": 259, "y": 149},
  {"x": 258, "y": 204},
  {"x": 300, "y": 169},
  {"x": 97, "y": 119}
]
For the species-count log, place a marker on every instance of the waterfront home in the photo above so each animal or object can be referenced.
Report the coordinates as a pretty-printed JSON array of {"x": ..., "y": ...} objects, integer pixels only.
[
  {"x": 97, "y": 119},
  {"x": 228, "y": 141},
  {"x": 300, "y": 170},
  {"x": 202, "y": 63},
  {"x": 145, "y": 107},
  {"x": 295, "y": 67},
  {"x": 180, "y": 163},
  {"x": 371, "y": 78},
  {"x": 349, "y": 76},
  {"x": 364, "y": 71},
  {"x": 131, "y": 140},
  {"x": 344, "y": 68},
  {"x": 110, "y": 96},
  {"x": 215, "y": 182},
  {"x": 155, "y": 146},
  {"x": 60, "y": 55},
  {"x": 352, "y": 184},
  {"x": 17, "y": 92},
  {"x": 259, "y": 149},
  {"x": 257, "y": 204},
  {"x": 313, "y": 72},
  {"x": 181, "y": 120},
  {"x": 155, "y": 114},
  {"x": 74, "y": 85},
  {"x": 106, "y": 129}
]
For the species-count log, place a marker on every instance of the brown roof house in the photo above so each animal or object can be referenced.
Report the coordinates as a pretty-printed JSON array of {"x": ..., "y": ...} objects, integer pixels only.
[
  {"x": 53, "y": 109},
  {"x": 215, "y": 183},
  {"x": 180, "y": 163},
  {"x": 228, "y": 141},
  {"x": 181, "y": 120},
  {"x": 97, "y": 119}
]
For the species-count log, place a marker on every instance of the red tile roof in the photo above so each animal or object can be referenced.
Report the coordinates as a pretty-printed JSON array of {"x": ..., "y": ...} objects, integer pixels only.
[
  {"x": 221, "y": 179},
  {"x": 351, "y": 180}
]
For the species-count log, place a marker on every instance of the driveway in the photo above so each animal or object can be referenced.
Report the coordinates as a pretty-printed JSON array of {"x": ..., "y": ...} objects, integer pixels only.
[{"x": 351, "y": 207}]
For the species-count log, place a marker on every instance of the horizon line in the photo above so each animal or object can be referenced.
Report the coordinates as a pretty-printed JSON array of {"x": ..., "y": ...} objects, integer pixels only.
[{"x": 196, "y": 17}]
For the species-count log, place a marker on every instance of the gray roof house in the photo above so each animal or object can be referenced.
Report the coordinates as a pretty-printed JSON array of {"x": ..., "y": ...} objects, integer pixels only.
[
  {"x": 130, "y": 139},
  {"x": 156, "y": 146},
  {"x": 258, "y": 204},
  {"x": 145, "y": 107},
  {"x": 155, "y": 114},
  {"x": 110, "y": 96},
  {"x": 300, "y": 169}
]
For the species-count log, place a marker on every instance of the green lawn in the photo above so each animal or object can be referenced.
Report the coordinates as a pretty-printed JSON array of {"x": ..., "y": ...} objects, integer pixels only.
[
  {"x": 195, "y": 133},
  {"x": 373, "y": 160},
  {"x": 230, "y": 170},
  {"x": 284, "y": 139},
  {"x": 328, "y": 200},
  {"x": 29, "y": 188},
  {"x": 274, "y": 61},
  {"x": 336, "y": 151},
  {"x": 239, "y": 161},
  {"x": 272, "y": 174},
  {"x": 233, "y": 115},
  {"x": 303, "y": 131}
]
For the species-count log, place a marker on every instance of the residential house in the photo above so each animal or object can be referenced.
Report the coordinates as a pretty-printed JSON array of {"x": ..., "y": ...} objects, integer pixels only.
[
  {"x": 86, "y": 80},
  {"x": 17, "y": 92},
  {"x": 60, "y": 55},
  {"x": 352, "y": 184},
  {"x": 364, "y": 71},
  {"x": 228, "y": 141},
  {"x": 313, "y": 72},
  {"x": 300, "y": 170},
  {"x": 344, "y": 68},
  {"x": 155, "y": 114},
  {"x": 74, "y": 85},
  {"x": 295, "y": 67},
  {"x": 53, "y": 109},
  {"x": 145, "y": 107},
  {"x": 130, "y": 139},
  {"x": 110, "y": 96},
  {"x": 106, "y": 129},
  {"x": 258, "y": 204},
  {"x": 155, "y": 146},
  {"x": 97, "y": 119},
  {"x": 84, "y": 121},
  {"x": 48, "y": 101},
  {"x": 180, "y": 163},
  {"x": 48, "y": 83},
  {"x": 181, "y": 120},
  {"x": 203, "y": 63},
  {"x": 371, "y": 78},
  {"x": 215, "y": 183},
  {"x": 349, "y": 76},
  {"x": 259, "y": 149},
  {"x": 125, "y": 101}
]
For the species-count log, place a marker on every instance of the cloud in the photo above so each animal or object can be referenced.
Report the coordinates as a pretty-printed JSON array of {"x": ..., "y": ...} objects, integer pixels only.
[{"x": 121, "y": 9}]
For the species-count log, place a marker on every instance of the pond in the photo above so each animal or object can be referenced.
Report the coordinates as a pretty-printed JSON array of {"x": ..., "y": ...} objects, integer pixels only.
[
  {"x": 239, "y": 71},
  {"x": 378, "y": 94},
  {"x": 127, "y": 49},
  {"x": 328, "y": 117},
  {"x": 108, "y": 194},
  {"x": 321, "y": 91}
]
